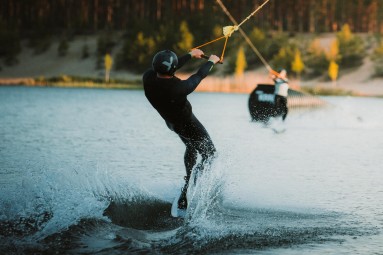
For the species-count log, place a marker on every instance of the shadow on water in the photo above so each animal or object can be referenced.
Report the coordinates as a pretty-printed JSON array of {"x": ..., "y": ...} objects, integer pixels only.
[
  {"x": 144, "y": 226},
  {"x": 143, "y": 214},
  {"x": 260, "y": 229},
  {"x": 130, "y": 225}
]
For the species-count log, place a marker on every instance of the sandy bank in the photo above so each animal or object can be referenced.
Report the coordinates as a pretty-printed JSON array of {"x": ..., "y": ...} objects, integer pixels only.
[{"x": 49, "y": 64}]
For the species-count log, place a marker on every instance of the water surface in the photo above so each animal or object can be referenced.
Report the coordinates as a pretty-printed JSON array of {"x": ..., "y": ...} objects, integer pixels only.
[{"x": 95, "y": 171}]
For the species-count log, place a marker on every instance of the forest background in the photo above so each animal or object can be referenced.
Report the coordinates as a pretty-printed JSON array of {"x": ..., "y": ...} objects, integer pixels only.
[{"x": 315, "y": 40}]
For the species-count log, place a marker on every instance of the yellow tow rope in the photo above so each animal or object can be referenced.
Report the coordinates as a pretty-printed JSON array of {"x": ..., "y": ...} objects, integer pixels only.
[
  {"x": 268, "y": 67},
  {"x": 229, "y": 30}
]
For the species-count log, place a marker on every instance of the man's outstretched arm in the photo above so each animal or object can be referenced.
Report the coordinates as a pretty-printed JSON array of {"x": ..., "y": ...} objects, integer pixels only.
[
  {"x": 189, "y": 85},
  {"x": 194, "y": 53}
]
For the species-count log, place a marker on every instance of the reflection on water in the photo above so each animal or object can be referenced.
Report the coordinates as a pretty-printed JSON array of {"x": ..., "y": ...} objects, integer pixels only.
[{"x": 94, "y": 171}]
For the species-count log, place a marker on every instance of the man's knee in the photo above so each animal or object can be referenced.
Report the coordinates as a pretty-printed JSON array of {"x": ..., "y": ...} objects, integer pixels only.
[
  {"x": 209, "y": 150},
  {"x": 191, "y": 149}
]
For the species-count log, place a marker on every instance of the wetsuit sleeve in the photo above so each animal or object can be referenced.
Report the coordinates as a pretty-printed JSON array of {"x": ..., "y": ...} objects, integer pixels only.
[
  {"x": 148, "y": 73},
  {"x": 189, "y": 85},
  {"x": 182, "y": 60}
]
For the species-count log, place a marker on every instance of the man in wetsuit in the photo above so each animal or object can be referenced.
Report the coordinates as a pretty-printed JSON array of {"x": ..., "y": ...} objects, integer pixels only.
[
  {"x": 281, "y": 91},
  {"x": 168, "y": 95}
]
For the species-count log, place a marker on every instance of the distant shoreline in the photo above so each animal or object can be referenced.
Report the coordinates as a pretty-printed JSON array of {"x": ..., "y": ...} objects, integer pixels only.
[
  {"x": 128, "y": 85},
  {"x": 49, "y": 69},
  {"x": 31, "y": 82}
]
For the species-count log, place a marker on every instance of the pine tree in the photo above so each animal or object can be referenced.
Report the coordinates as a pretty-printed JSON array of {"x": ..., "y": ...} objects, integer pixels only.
[
  {"x": 241, "y": 63},
  {"x": 333, "y": 53},
  {"x": 333, "y": 71},
  {"x": 108, "y": 61},
  {"x": 297, "y": 65},
  {"x": 345, "y": 35}
]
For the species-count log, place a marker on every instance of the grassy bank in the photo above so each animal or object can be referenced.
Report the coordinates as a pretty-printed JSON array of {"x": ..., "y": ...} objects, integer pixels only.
[
  {"x": 326, "y": 91},
  {"x": 73, "y": 82},
  {"x": 89, "y": 82}
]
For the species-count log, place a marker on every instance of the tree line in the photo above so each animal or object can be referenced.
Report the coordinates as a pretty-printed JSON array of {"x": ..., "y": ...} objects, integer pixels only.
[
  {"x": 84, "y": 16},
  {"x": 150, "y": 25}
]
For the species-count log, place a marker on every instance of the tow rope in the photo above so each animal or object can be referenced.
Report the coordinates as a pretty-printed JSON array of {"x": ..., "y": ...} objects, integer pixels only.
[{"x": 229, "y": 30}]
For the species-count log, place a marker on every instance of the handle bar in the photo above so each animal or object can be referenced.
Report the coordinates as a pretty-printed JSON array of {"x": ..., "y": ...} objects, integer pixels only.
[{"x": 207, "y": 57}]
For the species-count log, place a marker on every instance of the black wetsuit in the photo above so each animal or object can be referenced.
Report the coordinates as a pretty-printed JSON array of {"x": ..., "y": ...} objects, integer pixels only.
[
  {"x": 169, "y": 97},
  {"x": 281, "y": 106}
]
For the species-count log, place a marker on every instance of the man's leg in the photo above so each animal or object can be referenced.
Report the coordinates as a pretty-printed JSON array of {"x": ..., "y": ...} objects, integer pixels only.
[
  {"x": 284, "y": 107},
  {"x": 200, "y": 140},
  {"x": 190, "y": 159},
  {"x": 196, "y": 139}
]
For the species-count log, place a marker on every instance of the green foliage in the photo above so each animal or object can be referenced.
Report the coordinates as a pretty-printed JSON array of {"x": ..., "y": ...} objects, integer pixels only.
[
  {"x": 274, "y": 43},
  {"x": 186, "y": 39},
  {"x": 327, "y": 91},
  {"x": 315, "y": 59},
  {"x": 377, "y": 58},
  {"x": 202, "y": 25},
  {"x": 268, "y": 45},
  {"x": 9, "y": 45},
  {"x": 351, "y": 48},
  {"x": 258, "y": 38},
  {"x": 63, "y": 48},
  {"x": 105, "y": 44},
  {"x": 40, "y": 42},
  {"x": 85, "y": 51},
  {"x": 137, "y": 55},
  {"x": 284, "y": 58},
  {"x": 165, "y": 37},
  {"x": 86, "y": 82},
  {"x": 217, "y": 31}
]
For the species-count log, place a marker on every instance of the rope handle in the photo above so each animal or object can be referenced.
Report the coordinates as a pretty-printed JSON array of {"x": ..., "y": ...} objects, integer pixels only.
[
  {"x": 276, "y": 74},
  {"x": 207, "y": 57}
]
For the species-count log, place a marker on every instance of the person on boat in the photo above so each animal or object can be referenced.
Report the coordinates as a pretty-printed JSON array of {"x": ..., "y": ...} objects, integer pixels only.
[
  {"x": 280, "y": 92},
  {"x": 168, "y": 95}
]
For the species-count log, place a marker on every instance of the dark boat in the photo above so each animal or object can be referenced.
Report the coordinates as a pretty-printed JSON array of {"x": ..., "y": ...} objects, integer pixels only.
[{"x": 262, "y": 107}]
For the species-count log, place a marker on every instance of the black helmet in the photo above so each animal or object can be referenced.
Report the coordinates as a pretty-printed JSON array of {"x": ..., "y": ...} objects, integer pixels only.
[{"x": 165, "y": 62}]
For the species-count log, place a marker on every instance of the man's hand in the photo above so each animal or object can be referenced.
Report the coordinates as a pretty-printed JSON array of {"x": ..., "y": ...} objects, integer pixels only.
[
  {"x": 196, "y": 53},
  {"x": 215, "y": 59}
]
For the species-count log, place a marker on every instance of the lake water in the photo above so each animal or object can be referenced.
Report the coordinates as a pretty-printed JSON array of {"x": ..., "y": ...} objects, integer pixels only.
[{"x": 95, "y": 171}]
